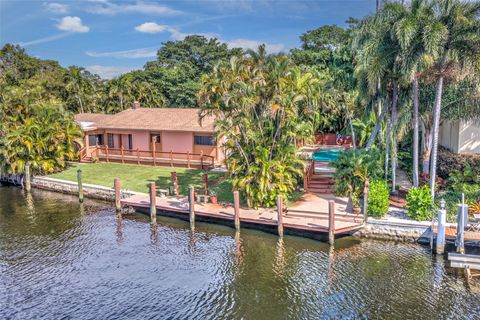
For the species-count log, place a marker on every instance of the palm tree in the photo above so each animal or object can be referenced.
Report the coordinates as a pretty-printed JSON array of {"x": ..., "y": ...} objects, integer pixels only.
[
  {"x": 457, "y": 47},
  {"x": 77, "y": 84}
]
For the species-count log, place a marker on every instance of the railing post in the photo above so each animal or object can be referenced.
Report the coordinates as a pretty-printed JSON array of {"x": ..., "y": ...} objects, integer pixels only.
[
  {"x": 191, "y": 206},
  {"x": 106, "y": 152},
  {"x": 153, "y": 206},
  {"x": 280, "y": 215},
  {"x": 80, "y": 185},
  {"x": 96, "y": 152},
  {"x": 138, "y": 156},
  {"x": 236, "y": 207},
  {"x": 188, "y": 159},
  {"x": 331, "y": 222},
  {"x": 171, "y": 158},
  {"x": 213, "y": 163},
  {"x": 116, "y": 184},
  {"x": 28, "y": 185},
  {"x": 442, "y": 214},
  {"x": 201, "y": 159},
  {"x": 122, "y": 152}
]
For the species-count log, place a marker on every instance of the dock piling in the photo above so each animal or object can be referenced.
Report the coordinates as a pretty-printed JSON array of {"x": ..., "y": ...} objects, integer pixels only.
[
  {"x": 461, "y": 220},
  {"x": 116, "y": 184},
  {"x": 331, "y": 222},
  {"x": 174, "y": 178},
  {"x": 236, "y": 202},
  {"x": 28, "y": 185},
  {"x": 153, "y": 206},
  {"x": 442, "y": 216},
  {"x": 191, "y": 206},
  {"x": 280, "y": 215},
  {"x": 80, "y": 185}
]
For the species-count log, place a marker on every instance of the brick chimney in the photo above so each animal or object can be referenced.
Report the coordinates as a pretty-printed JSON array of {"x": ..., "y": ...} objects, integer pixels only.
[{"x": 135, "y": 105}]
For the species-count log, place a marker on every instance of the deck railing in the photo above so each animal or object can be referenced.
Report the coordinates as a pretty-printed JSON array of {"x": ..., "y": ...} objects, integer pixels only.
[
  {"x": 152, "y": 157},
  {"x": 309, "y": 171}
]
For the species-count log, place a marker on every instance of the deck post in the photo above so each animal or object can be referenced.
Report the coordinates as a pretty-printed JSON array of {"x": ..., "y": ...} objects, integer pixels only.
[
  {"x": 138, "y": 156},
  {"x": 96, "y": 152},
  {"x": 201, "y": 159},
  {"x": 331, "y": 222},
  {"x": 191, "y": 206},
  {"x": 442, "y": 216},
  {"x": 462, "y": 214},
  {"x": 153, "y": 151},
  {"x": 106, "y": 152},
  {"x": 365, "y": 199},
  {"x": 122, "y": 152},
  {"x": 153, "y": 205},
  {"x": 236, "y": 207},
  {"x": 116, "y": 184},
  {"x": 80, "y": 185},
  {"x": 205, "y": 182},
  {"x": 28, "y": 185},
  {"x": 171, "y": 158},
  {"x": 188, "y": 159},
  {"x": 280, "y": 215},
  {"x": 174, "y": 178}
]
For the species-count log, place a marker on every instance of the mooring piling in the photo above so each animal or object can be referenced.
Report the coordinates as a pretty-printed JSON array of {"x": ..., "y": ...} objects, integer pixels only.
[
  {"x": 280, "y": 215},
  {"x": 191, "y": 206},
  {"x": 28, "y": 185},
  {"x": 331, "y": 222},
  {"x": 116, "y": 184},
  {"x": 174, "y": 178},
  {"x": 236, "y": 208},
  {"x": 461, "y": 221},
  {"x": 153, "y": 205},
  {"x": 80, "y": 185},
  {"x": 442, "y": 217}
]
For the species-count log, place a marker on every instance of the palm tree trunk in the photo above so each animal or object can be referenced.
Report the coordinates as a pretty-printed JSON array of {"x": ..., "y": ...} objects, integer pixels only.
[
  {"x": 426, "y": 147},
  {"x": 354, "y": 144},
  {"x": 80, "y": 103},
  {"x": 436, "y": 125},
  {"x": 415, "y": 131},
  {"x": 387, "y": 145},
  {"x": 374, "y": 133},
  {"x": 394, "y": 134}
]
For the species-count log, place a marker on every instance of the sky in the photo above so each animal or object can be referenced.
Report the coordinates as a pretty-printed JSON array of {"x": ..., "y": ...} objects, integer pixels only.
[{"x": 111, "y": 37}]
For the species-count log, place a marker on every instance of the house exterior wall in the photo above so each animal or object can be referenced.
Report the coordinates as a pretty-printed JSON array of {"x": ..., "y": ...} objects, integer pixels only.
[
  {"x": 469, "y": 137},
  {"x": 460, "y": 136},
  {"x": 177, "y": 141}
]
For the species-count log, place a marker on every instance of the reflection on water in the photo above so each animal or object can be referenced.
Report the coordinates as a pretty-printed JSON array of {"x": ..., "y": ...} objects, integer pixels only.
[{"x": 59, "y": 258}]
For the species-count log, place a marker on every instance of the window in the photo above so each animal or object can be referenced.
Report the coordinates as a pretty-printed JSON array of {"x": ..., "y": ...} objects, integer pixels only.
[
  {"x": 130, "y": 142},
  {"x": 95, "y": 139},
  {"x": 155, "y": 137},
  {"x": 110, "y": 140},
  {"x": 204, "y": 140}
]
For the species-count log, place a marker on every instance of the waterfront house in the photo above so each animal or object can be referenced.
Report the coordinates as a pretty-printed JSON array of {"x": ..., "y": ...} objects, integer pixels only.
[
  {"x": 158, "y": 136},
  {"x": 461, "y": 136}
]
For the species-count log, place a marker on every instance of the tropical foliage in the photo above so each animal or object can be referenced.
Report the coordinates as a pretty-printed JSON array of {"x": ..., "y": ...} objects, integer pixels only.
[
  {"x": 419, "y": 203},
  {"x": 263, "y": 104},
  {"x": 378, "y": 198}
]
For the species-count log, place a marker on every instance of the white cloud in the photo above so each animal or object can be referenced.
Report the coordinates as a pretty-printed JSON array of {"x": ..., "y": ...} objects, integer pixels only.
[
  {"x": 72, "y": 24},
  {"x": 55, "y": 7},
  {"x": 109, "y": 72},
  {"x": 253, "y": 44},
  {"x": 110, "y": 8},
  {"x": 129, "y": 54},
  {"x": 45, "y": 39},
  {"x": 151, "y": 27}
]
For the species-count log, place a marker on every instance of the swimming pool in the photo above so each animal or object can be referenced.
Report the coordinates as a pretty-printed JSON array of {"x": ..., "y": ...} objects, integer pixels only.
[{"x": 326, "y": 154}]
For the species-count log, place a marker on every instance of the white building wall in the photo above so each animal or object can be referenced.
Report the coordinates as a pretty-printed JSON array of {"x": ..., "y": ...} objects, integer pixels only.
[{"x": 469, "y": 137}]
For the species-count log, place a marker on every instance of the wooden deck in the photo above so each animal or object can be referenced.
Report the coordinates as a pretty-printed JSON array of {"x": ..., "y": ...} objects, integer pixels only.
[
  {"x": 308, "y": 217},
  {"x": 451, "y": 234}
]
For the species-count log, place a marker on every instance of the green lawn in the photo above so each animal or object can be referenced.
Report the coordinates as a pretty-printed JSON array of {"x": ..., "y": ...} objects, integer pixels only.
[{"x": 137, "y": 177}]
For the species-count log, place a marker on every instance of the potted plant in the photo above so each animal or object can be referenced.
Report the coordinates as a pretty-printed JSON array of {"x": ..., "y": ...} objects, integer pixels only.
[
  {"x": 213, "y": 197},
  {"x": 356, "y": 203}
]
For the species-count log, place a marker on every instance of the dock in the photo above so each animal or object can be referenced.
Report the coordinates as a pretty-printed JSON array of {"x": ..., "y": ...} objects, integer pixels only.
[{"x": 308, "y": 217}]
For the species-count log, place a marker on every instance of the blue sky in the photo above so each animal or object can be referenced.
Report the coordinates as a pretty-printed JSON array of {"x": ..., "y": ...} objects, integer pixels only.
[{"x": 109, "y": 37}]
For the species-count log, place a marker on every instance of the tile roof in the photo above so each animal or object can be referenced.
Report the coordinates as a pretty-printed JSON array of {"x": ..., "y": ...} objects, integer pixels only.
[{"x": 156, "y": 119}]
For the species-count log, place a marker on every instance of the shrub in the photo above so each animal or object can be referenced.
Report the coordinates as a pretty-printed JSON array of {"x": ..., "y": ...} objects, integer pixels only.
[
  {"x": 352, "y": 168},
  {"x": 378, "y": 198},
  {"x": 419, "y": 203},
  {"x": 449, "y": 162}
]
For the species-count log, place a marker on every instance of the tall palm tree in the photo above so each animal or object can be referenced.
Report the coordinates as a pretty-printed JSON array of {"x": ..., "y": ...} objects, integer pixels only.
[
  {"x": 77, "y": 84},
  {"x": 457, "y": 47}
]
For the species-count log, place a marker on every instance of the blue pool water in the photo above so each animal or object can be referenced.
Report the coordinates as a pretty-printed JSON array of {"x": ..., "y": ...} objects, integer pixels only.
[{"x": 326, "y": 154}]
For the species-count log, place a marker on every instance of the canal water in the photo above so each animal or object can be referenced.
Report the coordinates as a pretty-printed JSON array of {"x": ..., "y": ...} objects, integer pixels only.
[{"x": 63, "y": 260}]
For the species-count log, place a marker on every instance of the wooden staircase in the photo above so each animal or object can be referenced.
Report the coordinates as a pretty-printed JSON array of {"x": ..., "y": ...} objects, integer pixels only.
[{"x": 321, "y": 183}]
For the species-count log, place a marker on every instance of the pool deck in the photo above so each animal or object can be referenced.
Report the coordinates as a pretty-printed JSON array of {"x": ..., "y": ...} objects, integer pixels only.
[{"x": 307, "y": 217}]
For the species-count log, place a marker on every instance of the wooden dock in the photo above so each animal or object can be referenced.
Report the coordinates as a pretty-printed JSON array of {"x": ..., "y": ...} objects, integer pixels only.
[{"x": 308, "y": 217}]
